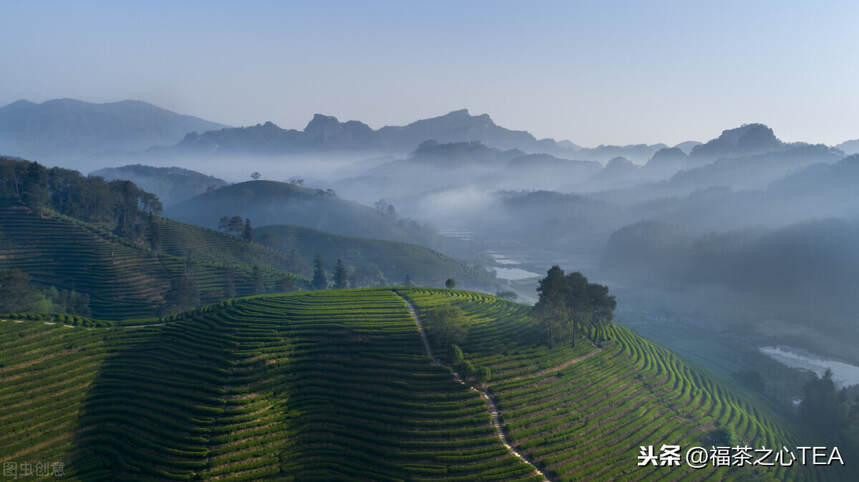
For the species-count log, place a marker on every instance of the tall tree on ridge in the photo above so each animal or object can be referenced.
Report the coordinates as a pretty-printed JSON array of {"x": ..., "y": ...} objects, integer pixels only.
[{"x": 320, "y": 279}]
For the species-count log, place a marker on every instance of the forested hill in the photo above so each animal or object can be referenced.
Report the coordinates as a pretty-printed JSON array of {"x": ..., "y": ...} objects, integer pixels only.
[
  {"x": 106, "y": 241},
  {"x": 271, "y": 202},
  {"x": 170, "y": 184},
  {"x": 375, "y": 262}
]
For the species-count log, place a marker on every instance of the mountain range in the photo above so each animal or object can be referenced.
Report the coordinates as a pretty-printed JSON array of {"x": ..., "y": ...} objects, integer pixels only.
[
  {"x": 327, "y": 133},
  {"x": 62, "y": 130}
]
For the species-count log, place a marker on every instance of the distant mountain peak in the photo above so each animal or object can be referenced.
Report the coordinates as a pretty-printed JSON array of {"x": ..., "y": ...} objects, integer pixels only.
[
  {"x": 619, "y": 163},
  {"x": 321, "y": 124},
  {"x": 748, "y": 139},
  {"x": 750, "y": 135},
  {"x": 458, "y": 113}
]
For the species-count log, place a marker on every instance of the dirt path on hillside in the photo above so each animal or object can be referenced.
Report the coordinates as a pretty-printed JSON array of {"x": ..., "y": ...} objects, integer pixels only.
[
  {"x": 555, "y": 368},
  {"x": 493, "y": 409}
]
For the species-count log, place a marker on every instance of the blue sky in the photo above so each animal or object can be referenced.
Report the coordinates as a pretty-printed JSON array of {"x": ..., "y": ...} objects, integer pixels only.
[{"x": 592, "y": 72}]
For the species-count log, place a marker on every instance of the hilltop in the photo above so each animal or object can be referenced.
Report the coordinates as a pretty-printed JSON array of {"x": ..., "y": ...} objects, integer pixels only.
[
  {"x": 272, "y": 202},
  {"x": 170, "y": 184}
]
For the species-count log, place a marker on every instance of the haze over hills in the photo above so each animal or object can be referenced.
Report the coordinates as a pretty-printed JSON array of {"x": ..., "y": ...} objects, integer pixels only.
[
  {"x": 170, "y": 184},
  {"x": 63, "y": 130},
  {"x": 849, "y": 147},
  {"x": 475, "y": 241},
  {"x": 374, "y": 262},
  {"x": 271, "y": 202},
  {"x": 734, "y": 197},
  {"x": 324, "y": 133}
]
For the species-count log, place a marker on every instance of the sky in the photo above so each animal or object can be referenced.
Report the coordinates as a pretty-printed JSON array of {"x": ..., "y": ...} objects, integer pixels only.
[{"x": 601, "y": 72}]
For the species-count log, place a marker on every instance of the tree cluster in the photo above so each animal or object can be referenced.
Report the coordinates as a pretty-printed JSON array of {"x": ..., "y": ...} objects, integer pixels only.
[
  {"x": 92, "y": 199},
  {"x": 237, "y": 226},
  {"x": 445, "y": 326},
  {"x": 343, "y": 277},
  {"x": 467, "y": 368},
  {"x": 831, "y": 413},
  {"x": 184, "y": 295},
  {"x": 18, "y": 294},
  {"x": 568, "y": 303}
]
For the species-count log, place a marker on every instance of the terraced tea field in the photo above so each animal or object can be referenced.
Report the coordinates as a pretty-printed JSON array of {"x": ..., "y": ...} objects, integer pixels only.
[
  {"x": 337, "y": 385},
  {"x": 323, "y": 384},
  {"x": 582, "y": 413},
  {"x": 124, "y": 280}
]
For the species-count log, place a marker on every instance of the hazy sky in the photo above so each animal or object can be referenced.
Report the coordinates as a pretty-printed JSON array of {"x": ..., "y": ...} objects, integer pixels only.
[{"x": 592, "y": 72}]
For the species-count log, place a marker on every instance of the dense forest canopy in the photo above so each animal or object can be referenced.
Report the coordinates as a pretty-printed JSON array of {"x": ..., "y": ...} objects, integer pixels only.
[{"x": 120, "y": 204}]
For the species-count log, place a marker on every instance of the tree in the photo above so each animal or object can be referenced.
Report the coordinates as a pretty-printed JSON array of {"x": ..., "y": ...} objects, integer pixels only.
[
  {"x": 255, "y": 176},
  {"x": 237, "y": 225},
  {"x": 248, "y": 232},
  {"x": 824, "y": 406},
  {"x": 16, "y": 292},
  {"x": 154, "y": 233},
  {"x": 229, "y": 283},
  {"x": 224, "y": 223},
  {"x": 450, "y": 283},
  {"x": 720, "y": 437},
  {"x": 70, "y": 302},
  {"x": 468, "y": 369},
  {"x": 446, "y": 326},
  {"x": 320, "y": 279},
  {"x": 340, "y": 275},
  {"x": 386, "y": 208},
  {"x": 576, "y": 298},
  {"x": 408, "y": 281},
  {"x": 484, "y": 374},
  {"x": 354, "y": 276},
  {"x": 455, "y": 355},
  {"x": 602, "y": 307},
  {"x": 569, "y": 301},
  {"x": 296, "y": 263},
  {"x": 258, "y": 281},
  {"x": 35, "y": 193},
  {"x": 551, "y": 307},
  {"x": 184, "y": 295},
  {"x": 286, "y": 284}
]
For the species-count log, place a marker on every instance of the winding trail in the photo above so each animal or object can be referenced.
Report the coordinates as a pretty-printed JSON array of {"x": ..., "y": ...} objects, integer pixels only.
[{"x": 493, "y": 409}]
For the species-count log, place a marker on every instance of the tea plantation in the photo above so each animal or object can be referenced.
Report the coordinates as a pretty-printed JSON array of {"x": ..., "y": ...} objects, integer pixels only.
[
  {"x": 332, "y": 385},
  {"x": 124, "y": 279}
]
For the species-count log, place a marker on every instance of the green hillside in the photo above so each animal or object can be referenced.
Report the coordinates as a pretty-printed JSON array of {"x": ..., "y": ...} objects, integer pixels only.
[
  {"x": 337, "y": 385},
  {"x": 369, "y": 257},
  {"x": 582, "y": 413},
  {"x": 271, "y": 202},
  {"x": 124, "y": 279}
]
